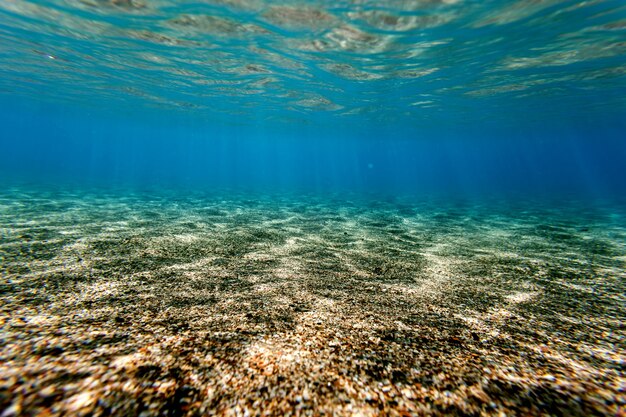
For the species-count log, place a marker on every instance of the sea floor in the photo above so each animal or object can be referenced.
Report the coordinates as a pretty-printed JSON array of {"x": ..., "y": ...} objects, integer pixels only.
[{"x": 121, "y": 304}]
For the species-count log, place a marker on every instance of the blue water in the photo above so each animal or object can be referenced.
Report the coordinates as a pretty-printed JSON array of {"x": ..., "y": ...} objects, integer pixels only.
[
  {"x": 298, "y": 207},
  {"x": 409, "y": 97}
]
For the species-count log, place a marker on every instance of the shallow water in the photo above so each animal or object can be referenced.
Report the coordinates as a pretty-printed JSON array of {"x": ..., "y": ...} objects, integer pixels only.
[
  {"x": 356, "y": 207},
  {"x": 119, "y": 301}
]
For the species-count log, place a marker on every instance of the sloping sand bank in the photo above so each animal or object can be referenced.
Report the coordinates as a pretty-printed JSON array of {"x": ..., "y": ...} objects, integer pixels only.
[{"x": 136, "y": 305}]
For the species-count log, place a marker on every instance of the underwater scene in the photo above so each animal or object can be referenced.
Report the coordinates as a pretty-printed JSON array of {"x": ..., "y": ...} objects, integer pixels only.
[{"x": 307, "y": 208}]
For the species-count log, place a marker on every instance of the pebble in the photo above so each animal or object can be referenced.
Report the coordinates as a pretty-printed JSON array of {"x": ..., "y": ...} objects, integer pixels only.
[{"x": 117, "y": 342}]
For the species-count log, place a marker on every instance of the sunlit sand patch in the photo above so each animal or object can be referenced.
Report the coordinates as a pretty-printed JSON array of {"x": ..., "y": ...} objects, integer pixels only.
[
  {"x": 519, "y": 297},
  {"x": 438, "y": 271},
  {"x": 271, "y": 356}
]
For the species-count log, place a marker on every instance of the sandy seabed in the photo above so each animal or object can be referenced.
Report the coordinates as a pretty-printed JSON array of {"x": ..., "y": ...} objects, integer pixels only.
[{"x": 166, "y": 305}]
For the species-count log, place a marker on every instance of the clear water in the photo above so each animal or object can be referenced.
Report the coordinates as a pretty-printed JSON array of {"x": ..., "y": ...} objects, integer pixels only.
[
  {"x": 411, "y": 96},
  {"x": 406, "y": 62},
  {"x": 364, "y": 207}
]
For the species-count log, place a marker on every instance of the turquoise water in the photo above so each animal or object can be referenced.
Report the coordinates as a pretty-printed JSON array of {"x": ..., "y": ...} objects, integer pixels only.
[
  {"x": 412, "y": 63},
  {"x": 407, "y": 96},
  {"x": 352, "y": 207}
]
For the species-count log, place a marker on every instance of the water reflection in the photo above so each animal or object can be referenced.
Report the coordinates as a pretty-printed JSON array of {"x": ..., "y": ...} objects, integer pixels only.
[{"x": 488, "y": 55}]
